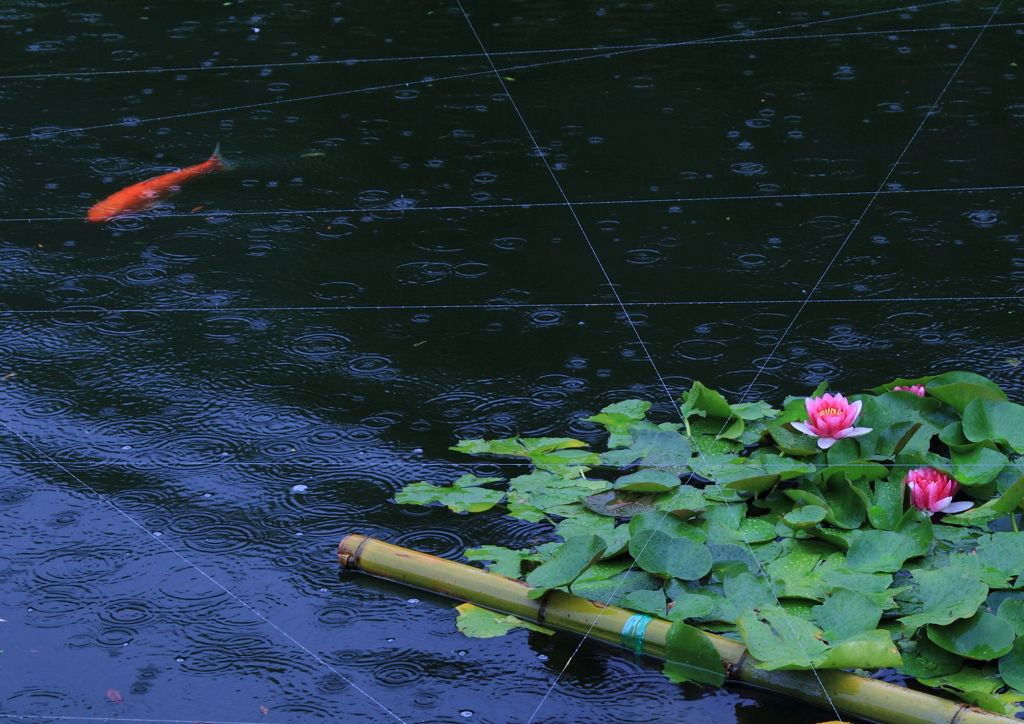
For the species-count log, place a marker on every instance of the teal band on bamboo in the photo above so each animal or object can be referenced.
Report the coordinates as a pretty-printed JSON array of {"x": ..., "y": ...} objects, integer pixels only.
[{"x": 633, "y": 632}]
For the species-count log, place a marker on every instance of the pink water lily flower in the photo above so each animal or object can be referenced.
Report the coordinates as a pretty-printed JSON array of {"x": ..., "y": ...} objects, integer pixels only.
[
  {"x": 932, "y": 490},
  {"x": 916, "y": 389},
  {"x": 831, "y": 418}
]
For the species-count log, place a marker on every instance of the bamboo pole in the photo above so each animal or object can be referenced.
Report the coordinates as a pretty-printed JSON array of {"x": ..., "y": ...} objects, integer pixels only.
[{"x": 859, "y": 696}]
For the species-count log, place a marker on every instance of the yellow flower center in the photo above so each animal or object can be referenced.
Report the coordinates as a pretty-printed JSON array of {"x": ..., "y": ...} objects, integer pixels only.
[{"x": 830, "y": 411}]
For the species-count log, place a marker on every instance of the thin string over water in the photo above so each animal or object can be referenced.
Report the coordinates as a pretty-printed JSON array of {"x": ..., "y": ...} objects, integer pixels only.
[
  {"x": 803, "y": 306},
  {"x": 42, "y": 453},
  {"x": 51, "y": 717},
  {"x": 502, "y": 306},
  {"x": 646, "y": 353},
  {"x": 130, "y": 122},
  {"x": 871, "y": 201},
  {"x": 398, "y": 207},
  {"x": 733, "y": 38}
]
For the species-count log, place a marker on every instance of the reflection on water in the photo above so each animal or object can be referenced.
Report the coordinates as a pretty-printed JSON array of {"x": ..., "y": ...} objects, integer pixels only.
[{"x": 199, "y": 401}]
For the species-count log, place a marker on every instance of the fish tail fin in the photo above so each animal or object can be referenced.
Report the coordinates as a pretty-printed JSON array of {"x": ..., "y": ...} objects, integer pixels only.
[{"x": 217, "y": 163}]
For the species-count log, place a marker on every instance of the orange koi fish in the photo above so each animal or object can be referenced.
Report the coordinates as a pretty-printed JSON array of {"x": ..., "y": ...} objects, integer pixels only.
[{"x": 146, "y": 194}]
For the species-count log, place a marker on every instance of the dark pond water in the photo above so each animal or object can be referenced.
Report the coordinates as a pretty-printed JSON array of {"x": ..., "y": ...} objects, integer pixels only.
[{"x": 412, "y": 248}]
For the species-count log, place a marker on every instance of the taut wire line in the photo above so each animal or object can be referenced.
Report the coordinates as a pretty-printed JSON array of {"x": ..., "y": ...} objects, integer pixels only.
[
  {"x": 217, "y": 584},
  {"x": 733, "y": 38},
  {"x": 508, "y": 306},
  {"x": 393, "y": 208},
  {"x": 131, "y": 121},
  {"x": 871, "y": 201},
  {"x": 640, "y": 341}
]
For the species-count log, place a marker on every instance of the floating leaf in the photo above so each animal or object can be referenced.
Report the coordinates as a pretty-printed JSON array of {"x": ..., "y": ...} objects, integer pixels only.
[
  {"x": 1011, "y": 665},
  {"x": 612, "y": 590},
  {"x": 806, "y": 517},
  {"x": 690, "y": 656},
  {"x": 876, "y": 551},
  {"x": 791, "y": 442},
  {"x": 702, "y": 401},
  {"x": 659, "y": 553},
  {"x": 463, "y": 496},
  {"x": 942, "y": 596},
  {"x": 922, "y": 658},
  {"x": 982, "y": 636},
  {"x": 575, "y": 556},
  {"x": 653, "y": 448},
  {"x": 996, "y": 420},
  {"x": 866, "y": 650},
  {"x": 887, "y": 507},
  {"x": 479, "y": 623},
  {"x": 960, "y": 394},
  {"x": 620, "y": 503},
  {"x": 653, "y": 602},
  {"x": 684, "y": 502},
  {"x": 691, "y": 605},
  {"x": 781, "y": 641},
  {"x": 618, "y": 418},
  {"x": 845, "y": 614},
  {"x": 647, "y": 481},
  {"x": 967, "y": 678},
  {"x": 799, "y": 571},
  {"x": 1012, "y": 611},
  {"x": 1003, "y": 551},
  {"x": 505, "y": 562}
]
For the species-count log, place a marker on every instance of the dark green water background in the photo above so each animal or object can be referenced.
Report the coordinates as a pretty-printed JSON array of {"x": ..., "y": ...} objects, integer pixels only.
[{"x": 762, "y": 196}]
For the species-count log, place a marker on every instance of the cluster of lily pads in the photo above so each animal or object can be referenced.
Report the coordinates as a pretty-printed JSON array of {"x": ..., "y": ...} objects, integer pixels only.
[{"x": 871, "y": 532}]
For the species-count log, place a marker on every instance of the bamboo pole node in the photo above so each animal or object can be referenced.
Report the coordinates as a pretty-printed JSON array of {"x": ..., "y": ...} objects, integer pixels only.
[{"x": 869, "y": 699}]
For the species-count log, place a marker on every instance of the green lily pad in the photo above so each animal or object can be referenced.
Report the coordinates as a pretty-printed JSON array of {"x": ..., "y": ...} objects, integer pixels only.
[
  {"x": 867, "y": 650},
  {"x": 924, "y": 659},
  {"x": 877, "y": 551},
  {"x": 960, "y": 394},
  {"x": 790, "y": 441},
  {"x": 504, "y": 561},
  {"x": 703, "y": 401},
  {"x": 780, "y": 640},
  {"x": 982, "y": 636},
  {"x": 1012, "y": 611},
  {"x": 647, "y": 481},
  {"x": 662, "y": 554},
  {"x": 620, "y": 504},
  {"x": 806, "y": 517},
  {"x": 967, "y": 678},
  {"x": 1011, "y": 665},
  {"x": 652, "y": 448},
  {"x": 887, "y": 507},
  {"x": 480, "y": 623},
  {"x": 463, "y": 496},
  {"x": 941, "y": 597},
  {"x": 996, "y": 420},
  {"x": 575, "y": 556},
  {"x": 618, "y": 418},
  {"x": 684, "y": 502},
  {"x": 846, "y": 614},
  {"x": 690, "y": 656},
  {"x": 652, "y": 603}
]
